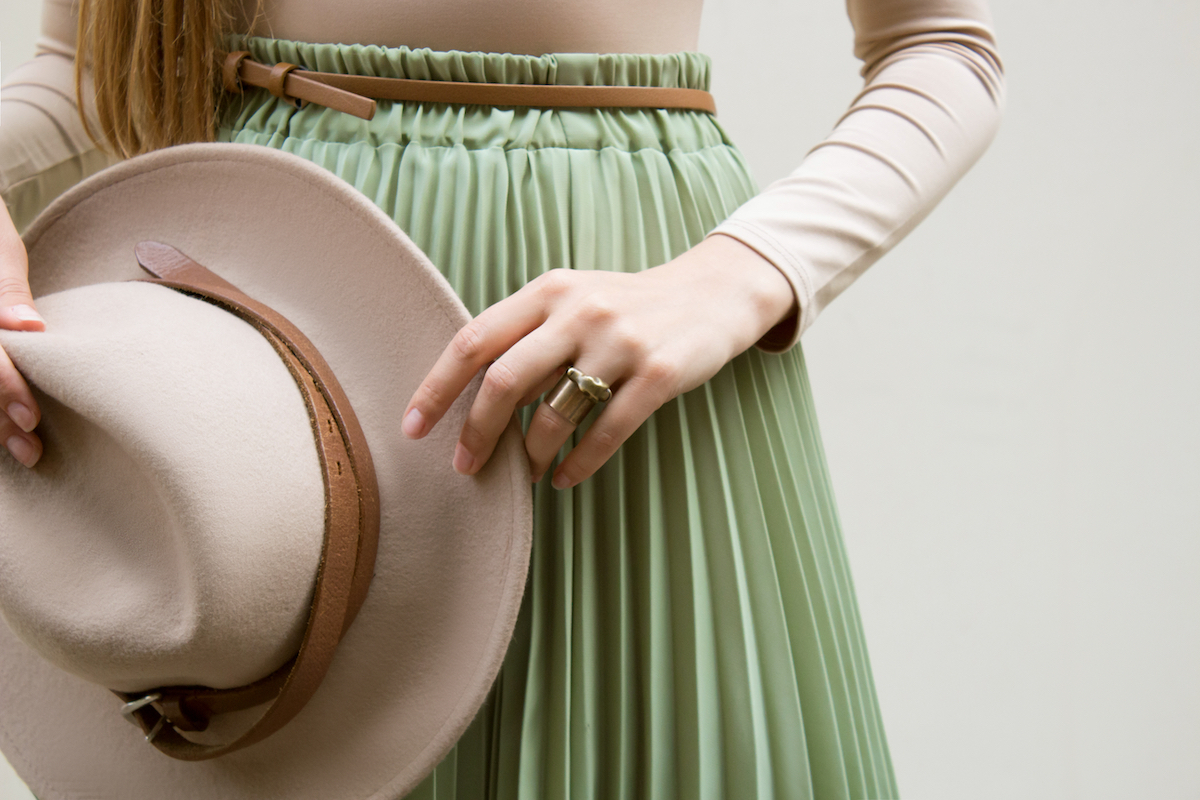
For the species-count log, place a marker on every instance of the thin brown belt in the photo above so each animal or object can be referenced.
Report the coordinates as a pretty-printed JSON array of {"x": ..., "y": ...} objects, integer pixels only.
[{"x": 356, "y": 94}]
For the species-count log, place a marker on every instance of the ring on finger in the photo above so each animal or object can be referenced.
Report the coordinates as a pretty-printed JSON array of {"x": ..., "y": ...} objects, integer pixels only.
[{"x": 576, "y": 394}]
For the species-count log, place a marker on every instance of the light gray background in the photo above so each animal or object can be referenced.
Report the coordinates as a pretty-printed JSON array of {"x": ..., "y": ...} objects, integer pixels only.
[{"x": 1009, "y": 400}]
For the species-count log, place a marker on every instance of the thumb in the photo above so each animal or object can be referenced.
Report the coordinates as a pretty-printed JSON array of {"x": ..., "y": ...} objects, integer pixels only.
[{"x": 17, "y": 311}]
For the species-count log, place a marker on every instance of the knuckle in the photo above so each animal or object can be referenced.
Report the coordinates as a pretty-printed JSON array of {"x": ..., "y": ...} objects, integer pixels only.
[
  {"x": 606, "y": 440},
  {"x": 597, "y": 310},
  {"x": 432, "y": 397},
  {"x": 468, "y": 343},
  {"x": 554, "y": 284},
  {"x": 472, "y": 436},
  {"x": 629, "y": 340},
  {"x": 500, "y": 381},
  {"x": 660, "y": 372},
  {"x": 13, "y": 289}
]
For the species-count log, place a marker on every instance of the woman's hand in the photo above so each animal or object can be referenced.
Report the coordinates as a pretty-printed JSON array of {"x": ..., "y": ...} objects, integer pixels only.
[
  {"x": 19, "y": 414},
  {"x": 651, "y": 335}
]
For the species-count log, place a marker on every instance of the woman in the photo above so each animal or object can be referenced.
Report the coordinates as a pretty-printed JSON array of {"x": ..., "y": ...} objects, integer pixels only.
[{"x": 689, "y": 627}]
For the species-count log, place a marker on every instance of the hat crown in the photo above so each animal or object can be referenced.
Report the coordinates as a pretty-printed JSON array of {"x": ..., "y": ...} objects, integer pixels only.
[
  {"x": 422, "y": 653},
  {"x": 186, "y": 487}
]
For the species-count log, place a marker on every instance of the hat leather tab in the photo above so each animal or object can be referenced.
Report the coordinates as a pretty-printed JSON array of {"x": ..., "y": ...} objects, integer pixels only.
[
  {"x": 184, "y": 715},
  {"x": 351, "y": 531}
]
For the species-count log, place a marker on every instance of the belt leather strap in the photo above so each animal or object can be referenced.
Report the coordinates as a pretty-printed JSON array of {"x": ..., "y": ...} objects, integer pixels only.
[
  {"x": 351, "y": 533},
  {"x": 356, "y": 94}
]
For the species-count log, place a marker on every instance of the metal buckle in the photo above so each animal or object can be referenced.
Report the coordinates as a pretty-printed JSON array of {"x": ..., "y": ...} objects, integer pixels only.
[
  {"x": 128, "y": 710},
  {"x": 154, "y": 731},
  {"x": 133, "y": 705}
]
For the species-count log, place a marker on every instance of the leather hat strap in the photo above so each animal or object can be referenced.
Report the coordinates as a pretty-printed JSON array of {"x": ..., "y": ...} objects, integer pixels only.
[
  {"x": 350, "y": 541},
  {"x": 356, "y": 94}
]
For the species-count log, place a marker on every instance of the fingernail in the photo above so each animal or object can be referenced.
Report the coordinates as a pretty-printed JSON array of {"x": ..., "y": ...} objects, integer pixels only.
[
  {"x": 561, "y": 481},
  {"x": 22, "y": 450},
  {"x": 21, "y": 415},
  {"x": 413, "y": 424},
  {"x": 464, "y": 462},
  {"x": 26, "y": 313}
]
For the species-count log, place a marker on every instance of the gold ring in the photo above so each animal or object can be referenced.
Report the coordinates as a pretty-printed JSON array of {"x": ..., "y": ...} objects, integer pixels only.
[{"x": 576, "y": 394}]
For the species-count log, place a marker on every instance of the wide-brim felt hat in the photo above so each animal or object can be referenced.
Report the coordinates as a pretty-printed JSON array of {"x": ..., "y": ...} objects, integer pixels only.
[{"x": 173, "y": 528}]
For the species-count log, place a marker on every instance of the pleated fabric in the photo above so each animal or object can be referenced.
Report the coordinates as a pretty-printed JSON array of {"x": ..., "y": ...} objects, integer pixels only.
[{"x": 689, "y": 628}]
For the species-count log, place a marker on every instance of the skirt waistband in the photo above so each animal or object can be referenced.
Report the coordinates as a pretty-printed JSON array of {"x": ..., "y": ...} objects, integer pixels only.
[{"x": 672, "y": 70}]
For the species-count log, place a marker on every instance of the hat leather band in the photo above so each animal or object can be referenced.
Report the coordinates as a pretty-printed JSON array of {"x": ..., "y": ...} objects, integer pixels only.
[{"x": 350, "y": 541}]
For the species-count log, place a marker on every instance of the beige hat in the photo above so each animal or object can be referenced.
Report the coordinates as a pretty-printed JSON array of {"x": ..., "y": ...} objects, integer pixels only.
[{"x": 173, "y": 531}]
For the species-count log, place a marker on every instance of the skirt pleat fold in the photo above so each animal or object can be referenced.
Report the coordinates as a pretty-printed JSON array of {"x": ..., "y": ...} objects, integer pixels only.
[{"x": 689, "y": 628}]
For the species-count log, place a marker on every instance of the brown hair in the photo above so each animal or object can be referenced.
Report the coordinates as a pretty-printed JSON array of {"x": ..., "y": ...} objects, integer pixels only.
[{"x": 155, "y": 64}]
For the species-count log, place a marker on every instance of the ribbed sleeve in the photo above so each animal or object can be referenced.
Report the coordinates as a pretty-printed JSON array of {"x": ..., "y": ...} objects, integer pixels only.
[
  {"x": 44, "y": 149},
  {"x": 931, "y": 103}
]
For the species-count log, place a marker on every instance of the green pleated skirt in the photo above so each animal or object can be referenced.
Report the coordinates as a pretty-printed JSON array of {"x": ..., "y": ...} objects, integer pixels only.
[{"x": 689, "y": 628}]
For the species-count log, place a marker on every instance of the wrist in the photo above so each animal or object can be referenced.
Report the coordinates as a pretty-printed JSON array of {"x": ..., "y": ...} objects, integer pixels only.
[{"x": 751, "y": 280}]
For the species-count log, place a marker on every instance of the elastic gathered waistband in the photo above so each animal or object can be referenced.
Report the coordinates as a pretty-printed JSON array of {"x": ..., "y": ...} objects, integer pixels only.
[
  {"x": 258, "y": 117},
  {"x": 673, "y": 70}
]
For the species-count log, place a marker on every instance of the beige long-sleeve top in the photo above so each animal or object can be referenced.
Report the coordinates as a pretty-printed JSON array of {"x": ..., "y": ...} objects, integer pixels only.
[{"x": 930, "y": 104}]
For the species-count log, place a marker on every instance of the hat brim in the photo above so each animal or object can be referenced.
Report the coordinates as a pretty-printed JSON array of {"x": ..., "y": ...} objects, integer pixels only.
[{"x": 420, "y": 658}]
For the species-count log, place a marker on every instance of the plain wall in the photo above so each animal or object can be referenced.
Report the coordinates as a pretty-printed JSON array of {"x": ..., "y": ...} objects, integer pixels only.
[{"x": 1009, "y": 400}]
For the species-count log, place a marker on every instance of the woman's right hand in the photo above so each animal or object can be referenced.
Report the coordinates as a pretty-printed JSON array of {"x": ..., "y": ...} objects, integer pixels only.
[{"x": 19, "y": 413}]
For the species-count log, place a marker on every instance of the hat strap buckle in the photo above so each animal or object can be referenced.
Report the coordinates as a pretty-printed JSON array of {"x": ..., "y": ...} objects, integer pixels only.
[
  {"x": 127, "y": 710},
  {"x": 130, "y": 709}
]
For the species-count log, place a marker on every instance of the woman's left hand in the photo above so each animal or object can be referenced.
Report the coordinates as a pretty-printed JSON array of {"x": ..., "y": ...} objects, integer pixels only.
[{"x": 651, "y": 335}]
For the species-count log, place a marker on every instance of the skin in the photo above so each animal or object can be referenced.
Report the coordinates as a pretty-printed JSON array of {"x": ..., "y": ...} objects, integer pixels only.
[
  {"x": 652, "y": 335},
  {"x": 20, "y": 414}
]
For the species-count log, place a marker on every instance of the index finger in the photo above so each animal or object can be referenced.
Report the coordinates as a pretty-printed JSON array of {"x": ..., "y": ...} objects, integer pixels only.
[{"x": 477, "y": 344}]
